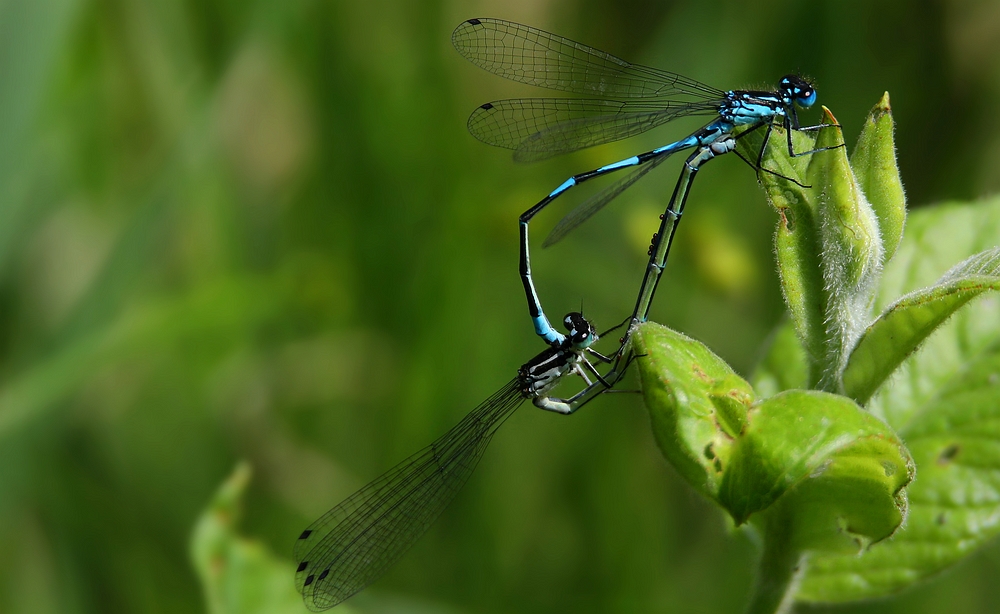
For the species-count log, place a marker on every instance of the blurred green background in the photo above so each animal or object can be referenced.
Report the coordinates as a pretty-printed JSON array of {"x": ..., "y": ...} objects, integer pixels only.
[{"x": 259, "y": 230}]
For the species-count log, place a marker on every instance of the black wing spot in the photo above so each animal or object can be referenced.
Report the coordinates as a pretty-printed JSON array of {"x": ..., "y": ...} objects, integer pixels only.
[
  {"x": 305, "y": 534},
  {"x": 474, "y": 22},
  {"x": 302, "y": 566},
  {"x": 487, "y": 106},
  {"x": 325, "y": 573},
  {"x": 309, "y": 580}
]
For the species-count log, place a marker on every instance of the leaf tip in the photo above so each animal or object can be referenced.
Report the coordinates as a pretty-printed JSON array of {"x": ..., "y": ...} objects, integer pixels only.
[
  {"x": 831, "y": 135},
  {"x": 883, "y": 104},
  {"x": 828, "y": 117}
]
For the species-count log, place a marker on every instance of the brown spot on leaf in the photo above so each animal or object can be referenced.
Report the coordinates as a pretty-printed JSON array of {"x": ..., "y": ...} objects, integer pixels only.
[
  {"x": 787, "y": 218},
  {"x": 948, "y": 454},
  {"x": 701, "y": 374}
]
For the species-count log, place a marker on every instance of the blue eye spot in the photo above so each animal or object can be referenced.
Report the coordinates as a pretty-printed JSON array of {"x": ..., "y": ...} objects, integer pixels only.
[{"x": 807, "y": 101}]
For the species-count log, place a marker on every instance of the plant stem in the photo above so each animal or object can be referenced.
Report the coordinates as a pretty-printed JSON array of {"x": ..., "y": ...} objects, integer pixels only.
[{"x": 781, "y": 567}]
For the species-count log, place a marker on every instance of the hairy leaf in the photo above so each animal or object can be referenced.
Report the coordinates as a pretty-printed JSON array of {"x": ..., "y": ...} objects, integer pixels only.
[
  {"x": 908, "y": 321},
  {"x": 874, "y": 164},
  {"x": 944, "y": 401},
  {"x": 748, "y": 455}
]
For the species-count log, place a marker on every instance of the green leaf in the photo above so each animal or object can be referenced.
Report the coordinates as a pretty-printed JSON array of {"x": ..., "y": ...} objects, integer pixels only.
[
  {"x": 944, "y": 401},
  {"x": 797, "y": 441},
  {"x": 906, "y": 323},
  {"x": 855, "y": 499},
  {"x": 851, "y": 252},
  {"x": 796, "y": 238},
  {"x": 696, "y": 402},
  {"x": 748, "y": 455},
  {"x": 828, "y": 245},
  {"x": 239, "y": 576},
  {"x": 874, "y": 163},
  {"x": 812, "y": 470},
  {"x": 848, "y": 230}
]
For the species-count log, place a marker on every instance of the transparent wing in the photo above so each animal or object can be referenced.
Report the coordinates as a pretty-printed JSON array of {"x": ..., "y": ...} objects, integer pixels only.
[
  {"x": 595, "y": 203},
  {"x": 353, "y": 544},
  {"x": 529, "y": 55},
  {"x": 538, "y": 128}
]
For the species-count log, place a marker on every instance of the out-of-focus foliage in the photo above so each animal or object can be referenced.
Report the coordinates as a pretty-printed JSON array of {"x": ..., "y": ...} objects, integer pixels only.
[
  {"x": 259, "y": 230},
  {"x": 238, "y": 575}
]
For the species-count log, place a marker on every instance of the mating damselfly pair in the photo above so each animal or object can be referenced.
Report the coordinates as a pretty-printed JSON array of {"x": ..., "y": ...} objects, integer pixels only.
[{"x": 354, "y": 543}]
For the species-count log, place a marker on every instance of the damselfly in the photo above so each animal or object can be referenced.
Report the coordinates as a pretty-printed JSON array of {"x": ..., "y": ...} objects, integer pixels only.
[
  {"x": 630, "y": 100},
  {"x": 354, "y": 543}
]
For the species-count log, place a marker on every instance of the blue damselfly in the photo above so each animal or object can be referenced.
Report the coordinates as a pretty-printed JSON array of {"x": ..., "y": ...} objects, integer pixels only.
[{"x": 625, "y": 99}]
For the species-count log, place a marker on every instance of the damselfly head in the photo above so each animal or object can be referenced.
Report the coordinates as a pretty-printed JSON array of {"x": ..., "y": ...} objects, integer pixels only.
[
  {"x": 581, "y": 332},
  {"x": 796, "y": 89}
]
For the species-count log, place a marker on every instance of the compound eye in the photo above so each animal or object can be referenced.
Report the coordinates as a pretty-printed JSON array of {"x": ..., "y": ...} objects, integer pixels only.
[
  {"x": 806, "y": 97},
  {"x": 583, "y": 337}
]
